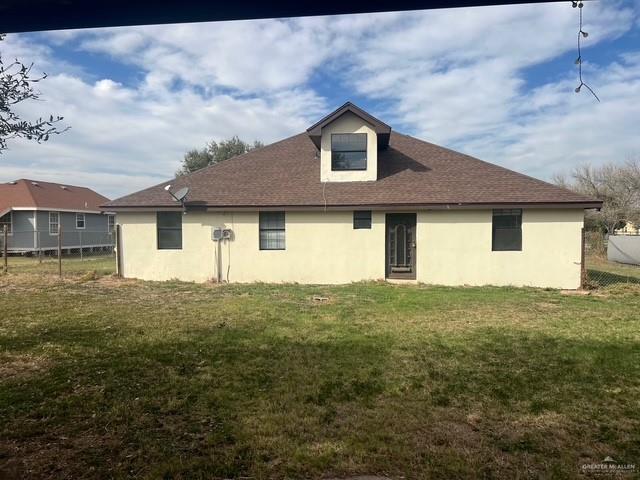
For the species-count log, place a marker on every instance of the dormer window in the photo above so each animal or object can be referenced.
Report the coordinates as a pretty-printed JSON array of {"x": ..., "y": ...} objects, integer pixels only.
[
  {"x": 349, "y": 140},
  {"x": 348, "y": 151}
]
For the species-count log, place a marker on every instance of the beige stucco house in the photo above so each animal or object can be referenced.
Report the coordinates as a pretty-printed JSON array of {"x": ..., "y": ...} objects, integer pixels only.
[{"x": 350, "y": 200}]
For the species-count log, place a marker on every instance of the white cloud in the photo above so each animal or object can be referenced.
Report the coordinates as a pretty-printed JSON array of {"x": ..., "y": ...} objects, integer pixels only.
[
  {"x": 457, "y": 77},
  {"x": 123, "y": 140}
]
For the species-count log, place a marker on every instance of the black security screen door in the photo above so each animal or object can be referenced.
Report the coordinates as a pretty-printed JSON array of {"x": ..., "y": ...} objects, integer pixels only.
[{"x": 401, "y": 245}]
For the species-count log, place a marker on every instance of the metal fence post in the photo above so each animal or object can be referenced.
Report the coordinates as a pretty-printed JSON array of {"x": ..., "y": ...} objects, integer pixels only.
[
  {"x": 118, "y": 250},
  {"x": 583, "y": 266},
  {"x": 5, "y": 233},
  {"x": 59, "y": 250},
  {"x": 80, "y": 235}
]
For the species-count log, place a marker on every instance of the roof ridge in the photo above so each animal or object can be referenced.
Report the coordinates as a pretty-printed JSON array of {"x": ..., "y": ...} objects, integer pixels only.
[
  {"x": 29, "y": 180},
  {"x": 493, "y": 165},
  {"x": 358, "y": 111}
]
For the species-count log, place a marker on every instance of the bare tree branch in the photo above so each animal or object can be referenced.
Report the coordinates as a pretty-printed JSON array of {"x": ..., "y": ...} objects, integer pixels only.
[
  {"x": 16, "y": 86},
  {"x": 617, "y": 185}
]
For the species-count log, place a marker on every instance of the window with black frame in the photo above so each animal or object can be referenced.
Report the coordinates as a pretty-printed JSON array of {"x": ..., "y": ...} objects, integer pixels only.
[
  {"x": 169, "y": 226},
  {"x": 507, "y": 229},
  {"x": 272, "y": 231},
  {"x": 361, "y": 219},
  {"x": 349, "y": 151}
]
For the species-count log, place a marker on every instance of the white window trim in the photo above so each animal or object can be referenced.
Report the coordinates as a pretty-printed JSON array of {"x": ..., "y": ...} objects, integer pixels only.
[
  {"x": 56, "y": 223},
  {"x": 10, "y": 232},
  {"x": 84, "y": 221},
  {"x": 111, "y": 218}
]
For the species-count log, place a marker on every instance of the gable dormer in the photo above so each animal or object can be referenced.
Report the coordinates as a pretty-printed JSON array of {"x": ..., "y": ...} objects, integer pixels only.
[{"x": 349, "y": 140}]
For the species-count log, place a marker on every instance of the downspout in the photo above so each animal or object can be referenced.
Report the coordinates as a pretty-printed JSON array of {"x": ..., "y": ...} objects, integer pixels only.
[
  {"x": 219, "y": 267},
  {"x": 35, "y": 229}
]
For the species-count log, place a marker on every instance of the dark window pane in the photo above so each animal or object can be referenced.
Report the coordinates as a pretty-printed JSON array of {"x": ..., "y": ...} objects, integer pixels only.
[
  {"x": 348, "y": 142},
  {"x": 349, "y": 160},
  {"x": 507, "y": 239},
  {"x": 169, "y": 226},
  {"x": 170, "y": 219},
  {"x": 272, "y": 220},
  {"x": 349, "y": 151},
  {"x": 362, "y": 219},
  {"x": 6, "y": 220},
  {"x": 272, "y": 230},
  {"x": 169, "y": 239},
  {"x": 507, "y": 229}
]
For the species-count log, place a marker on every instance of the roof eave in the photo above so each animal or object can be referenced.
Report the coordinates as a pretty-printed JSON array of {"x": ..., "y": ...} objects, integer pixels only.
[{"x": 395, "y": 206}]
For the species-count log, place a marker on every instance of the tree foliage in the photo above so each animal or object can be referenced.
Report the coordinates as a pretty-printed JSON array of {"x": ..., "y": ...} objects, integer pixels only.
[
  {"x": 617, "y": 185},
  {"x": 16, "y": 86},
  {"x": 215, "y": 152}
]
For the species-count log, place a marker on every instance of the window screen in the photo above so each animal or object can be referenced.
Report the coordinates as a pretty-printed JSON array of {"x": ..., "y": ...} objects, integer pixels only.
[
  {"x": 111, "y": 222},
  {"x": 349, "y": 151},
  {"x": 6, "y": 220},
  {"x": 507, "y": 229},
  {"x": 54, "y": 223},
  {"x": 361, "y": 219},
  {"x": 272, "y": 233},
  {"x": 80, "y": 221},
  {"x": 169, "y": 230}
]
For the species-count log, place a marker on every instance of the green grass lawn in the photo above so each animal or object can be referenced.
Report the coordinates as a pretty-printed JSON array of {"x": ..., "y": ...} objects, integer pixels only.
[
  {"x": 601, "y": 272},
  {"x": 100, "y": 263},
  {"x": 112, "y": 378}
]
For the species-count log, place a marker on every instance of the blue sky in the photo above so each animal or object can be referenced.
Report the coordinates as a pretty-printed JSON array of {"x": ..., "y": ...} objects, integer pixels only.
[{"x": 494, "y": 82}]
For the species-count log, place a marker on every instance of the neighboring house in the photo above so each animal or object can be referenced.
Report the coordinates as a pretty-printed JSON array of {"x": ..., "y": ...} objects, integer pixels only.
[
  {"x": 629, "y": 229},
  {"x": 35, "y": 212},
  {"x": 350, "y": 200}
]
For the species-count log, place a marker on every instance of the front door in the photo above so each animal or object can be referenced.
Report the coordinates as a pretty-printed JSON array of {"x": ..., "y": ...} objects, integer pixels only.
[{"x": 401, "y": 245}]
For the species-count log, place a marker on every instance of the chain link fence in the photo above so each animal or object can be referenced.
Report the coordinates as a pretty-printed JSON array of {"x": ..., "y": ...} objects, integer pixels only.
[
  {"x": 74, "y": 252},
  {"x": 601, "y": 272},
  {"x": 80, "y": 252}
]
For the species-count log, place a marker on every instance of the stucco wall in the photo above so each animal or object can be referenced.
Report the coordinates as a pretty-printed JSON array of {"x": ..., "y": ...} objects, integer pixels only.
[
  {"x": 320, "y": 248},
  {"x": 453, "y": 248},
  {"x": 348, "y": 123}
]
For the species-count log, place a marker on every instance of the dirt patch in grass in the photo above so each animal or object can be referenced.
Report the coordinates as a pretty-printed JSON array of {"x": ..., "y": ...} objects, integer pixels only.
[{"x": 18, "y": 366}]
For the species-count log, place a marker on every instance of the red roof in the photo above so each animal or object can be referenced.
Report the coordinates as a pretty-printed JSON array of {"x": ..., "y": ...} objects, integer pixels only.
[{"x": 31, "y": 194}]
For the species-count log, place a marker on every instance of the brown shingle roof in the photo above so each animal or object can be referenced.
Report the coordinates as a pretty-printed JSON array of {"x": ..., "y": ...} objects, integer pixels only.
[
  {"x": 411, "y": 172},
  {"x": 48, "y": 196}
]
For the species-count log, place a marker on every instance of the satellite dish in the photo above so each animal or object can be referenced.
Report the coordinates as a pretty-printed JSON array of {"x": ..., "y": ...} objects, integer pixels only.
[{"x": 181, "y": 194}]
